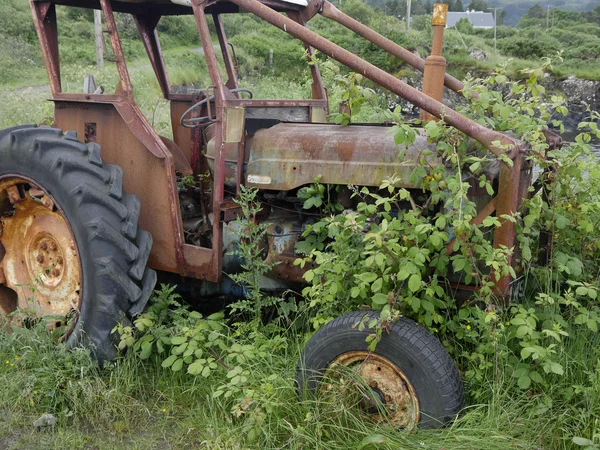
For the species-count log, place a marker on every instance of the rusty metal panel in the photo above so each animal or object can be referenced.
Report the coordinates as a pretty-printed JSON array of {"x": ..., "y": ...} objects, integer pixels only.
[
  {"x": 181, "y": 135},
  {"x": 287, "y": 156},
  {"x": 235, "y": 125},
  {"x": 148, "y": 171}
]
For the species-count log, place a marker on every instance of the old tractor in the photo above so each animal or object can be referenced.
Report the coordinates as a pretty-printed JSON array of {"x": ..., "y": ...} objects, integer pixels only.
[{"x": 93, "y": 207}]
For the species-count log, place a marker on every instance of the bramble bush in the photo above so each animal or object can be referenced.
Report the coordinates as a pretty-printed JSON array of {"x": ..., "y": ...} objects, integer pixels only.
[{"x": 383, "y": 257}]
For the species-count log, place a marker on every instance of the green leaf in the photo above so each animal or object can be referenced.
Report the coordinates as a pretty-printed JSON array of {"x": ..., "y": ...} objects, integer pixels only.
[
  {"x": 556, "y": 368},
  {"x": 536, "y": 377},
  {"x": 178, "y": 340},
  {"x": 380, "y": 299},
  {"x": 440, "y": 222},
  {"x": 403, "y": 273},
  {"x": 524, "y": 382},
  {"x": 583, "y": 441},
  {"x": 372, "y": 439},
  {"x": 169, "y": 361},
  {"x": 195, "y": 368},
  {"x": 146, "y": 351},
  {"x": 414, "y": 282},
  {"x": 562, "y": 222},
  {"x": 526, "y": 253},
  {"x": 376, "y": 286},
  {"x": 177, "y": 365},
  {"x": 216, "y": 316},
  {"x": 581, "y": 290},
  {"x": 368, "y": 277}
]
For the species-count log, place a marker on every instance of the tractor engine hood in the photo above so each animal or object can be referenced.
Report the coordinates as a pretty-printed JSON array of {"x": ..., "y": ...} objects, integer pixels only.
[{"x": 289, "y": 155}]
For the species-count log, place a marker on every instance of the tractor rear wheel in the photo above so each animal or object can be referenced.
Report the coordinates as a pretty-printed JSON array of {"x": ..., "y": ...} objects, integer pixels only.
[
  {"x": 408, "y": 381},
  {"x": 69, "y": 244}
]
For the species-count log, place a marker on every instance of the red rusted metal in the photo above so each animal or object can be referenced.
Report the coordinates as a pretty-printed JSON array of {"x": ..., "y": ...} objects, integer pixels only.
[
  {"x": 512, "y": 190},
  {"x": 146, "y": 25},
  {"x": 232, "y": 82},
  {"x": 125, "y": 89},
  {"x": 331, "y": 12},
  {"x": 44, "y": 19},
  {"x": 218, "y": 193},
  {"x": 435, "y": 64},
  {"x": 288, "y": 155}
]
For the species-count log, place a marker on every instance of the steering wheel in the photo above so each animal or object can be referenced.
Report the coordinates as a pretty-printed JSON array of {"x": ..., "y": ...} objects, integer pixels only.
[{"x": 193, "y": 122}]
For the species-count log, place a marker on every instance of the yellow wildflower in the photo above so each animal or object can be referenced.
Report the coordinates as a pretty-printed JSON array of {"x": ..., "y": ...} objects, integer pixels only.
[
  {"x": 164, "y": 410},
  {"x": 16, "y": 357},
  {"x": 468, "y": 327},
  {"x": 7, "y": 361},
  {"x": 507, "y": 323},
  {"x": 12, "y": 365}
]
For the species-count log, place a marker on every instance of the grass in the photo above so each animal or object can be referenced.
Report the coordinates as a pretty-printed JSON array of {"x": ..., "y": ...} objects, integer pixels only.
[{"x": 138, "y": 404}]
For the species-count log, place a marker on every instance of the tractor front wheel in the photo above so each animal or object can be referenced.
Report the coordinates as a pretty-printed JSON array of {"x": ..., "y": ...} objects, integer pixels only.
[
  {"x": 70, "y": 247},
  {"x": 408, "y": 381}
]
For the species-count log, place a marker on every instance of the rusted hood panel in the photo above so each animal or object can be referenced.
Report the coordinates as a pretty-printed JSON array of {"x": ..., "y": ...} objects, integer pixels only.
[{"x": 289, "y": 155}]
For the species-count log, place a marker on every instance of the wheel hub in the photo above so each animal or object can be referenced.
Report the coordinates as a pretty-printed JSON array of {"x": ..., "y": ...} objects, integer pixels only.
[
  {"x": 40, "y": 261},
  {"x": 388, "y": 388},
  {"x": 45, "y": 257}
]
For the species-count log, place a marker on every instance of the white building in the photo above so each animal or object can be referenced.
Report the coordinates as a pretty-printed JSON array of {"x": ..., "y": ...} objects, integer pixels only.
[{"x": 478, "y": 19}]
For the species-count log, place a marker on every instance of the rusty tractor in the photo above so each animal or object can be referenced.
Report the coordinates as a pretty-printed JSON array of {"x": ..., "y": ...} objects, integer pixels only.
[{"x": 93, "y": 207}]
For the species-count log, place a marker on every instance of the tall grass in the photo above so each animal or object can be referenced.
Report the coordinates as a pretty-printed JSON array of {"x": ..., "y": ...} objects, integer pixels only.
[{"x": 138, "y": 404}]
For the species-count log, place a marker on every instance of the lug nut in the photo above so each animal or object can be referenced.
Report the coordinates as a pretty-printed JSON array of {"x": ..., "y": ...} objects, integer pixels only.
[
  {"x": 43, "y": 246},
  {"x": 59, "y": 260},
  {"x": 40, "y": 259},
  {"x": 55, "y": 272},
  {"x": 53, "y": 246}
]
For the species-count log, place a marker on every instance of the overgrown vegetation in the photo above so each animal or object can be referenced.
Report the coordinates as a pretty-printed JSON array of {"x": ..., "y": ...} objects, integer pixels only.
[
  {"x": 531, "y": 370},
  {"x": 226, "y": 381}
]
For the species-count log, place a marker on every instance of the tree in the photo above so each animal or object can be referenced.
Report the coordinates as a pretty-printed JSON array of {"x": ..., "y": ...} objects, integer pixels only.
[
  {"x": 536, "y": 12},
  {"x": 417, "y": 8},
  {"x": 458, "y": 6},
  {"x": 478, "y": 5},
  {"x": 594, "y": 15},
  {"x": 428, "y": 7},
  {"x": 501, "y": 17}
]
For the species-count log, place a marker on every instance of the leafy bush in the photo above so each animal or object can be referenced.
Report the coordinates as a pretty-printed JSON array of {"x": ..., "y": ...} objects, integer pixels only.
[
  {"x": 395, "y": 259},
  {"x": 525, "y": 47}
]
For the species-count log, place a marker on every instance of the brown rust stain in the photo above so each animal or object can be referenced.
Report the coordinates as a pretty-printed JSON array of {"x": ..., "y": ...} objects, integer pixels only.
[
  {"x": 41, "y": 264},
  {"x": 388, "y": 383}
]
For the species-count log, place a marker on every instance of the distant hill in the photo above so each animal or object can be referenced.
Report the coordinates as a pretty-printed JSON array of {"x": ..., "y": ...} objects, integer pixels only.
[{"x": 516, "y": 8}]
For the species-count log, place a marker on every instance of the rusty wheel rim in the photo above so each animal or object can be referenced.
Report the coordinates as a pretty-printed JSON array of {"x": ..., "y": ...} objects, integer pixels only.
[
  {"x": 40, "y": 271},
  {"x": 384, "y": 384}
]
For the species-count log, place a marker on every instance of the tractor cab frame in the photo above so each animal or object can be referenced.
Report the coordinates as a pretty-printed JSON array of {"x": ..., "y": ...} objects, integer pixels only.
[{"x": 151, "y": 163}]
